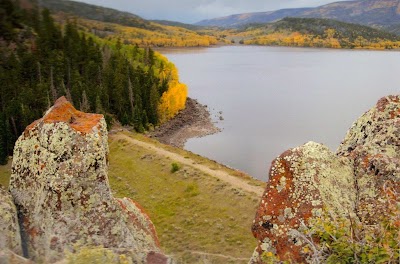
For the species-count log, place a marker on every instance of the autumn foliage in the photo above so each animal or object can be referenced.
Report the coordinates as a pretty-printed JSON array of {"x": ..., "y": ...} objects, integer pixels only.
[
  {"x": 312, "y": 32},
  {"x": 174, "y": 98},
  {"x": 162, "y": 36}
]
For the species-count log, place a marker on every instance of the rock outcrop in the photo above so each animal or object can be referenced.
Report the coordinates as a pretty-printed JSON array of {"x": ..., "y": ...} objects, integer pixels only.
[
  {"x": 373, "y": 144},
  {"x": 361, "y": 183},
  {"x": 60, "y": 186}
]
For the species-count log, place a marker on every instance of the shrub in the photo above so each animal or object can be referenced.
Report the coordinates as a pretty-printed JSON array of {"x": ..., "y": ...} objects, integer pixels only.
[
  {"x": 341, "y": 242},
  {"x": 175, "y": 167}
]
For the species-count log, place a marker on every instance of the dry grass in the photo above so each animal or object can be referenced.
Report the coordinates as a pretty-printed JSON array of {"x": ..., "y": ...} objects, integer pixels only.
[{"x": 192, "y": 211}]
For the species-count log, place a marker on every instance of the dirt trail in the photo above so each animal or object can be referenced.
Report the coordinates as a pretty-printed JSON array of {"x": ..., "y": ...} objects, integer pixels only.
[{"x": 222, "y": 175}]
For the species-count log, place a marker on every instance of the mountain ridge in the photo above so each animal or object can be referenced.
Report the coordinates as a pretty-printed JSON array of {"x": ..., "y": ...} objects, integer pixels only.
[{"x": 377, "y": 13}]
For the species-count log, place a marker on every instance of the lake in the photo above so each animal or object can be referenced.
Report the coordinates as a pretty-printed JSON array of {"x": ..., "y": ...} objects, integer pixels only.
[{"x": 276, "y": 98}]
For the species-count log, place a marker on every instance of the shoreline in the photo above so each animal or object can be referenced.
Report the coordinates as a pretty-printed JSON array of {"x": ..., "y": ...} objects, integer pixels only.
[
  {"x": 192, "y": 122},
  {"x": 160, "y": 49}
]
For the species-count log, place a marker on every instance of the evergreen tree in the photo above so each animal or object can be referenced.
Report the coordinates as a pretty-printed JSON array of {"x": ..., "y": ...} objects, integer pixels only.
[
  {"x": 99, "y": 105},
  {"x": 52, "y": 87},
  {"x": 84, "y": 106},
  {"x": 3, "y": 140}
]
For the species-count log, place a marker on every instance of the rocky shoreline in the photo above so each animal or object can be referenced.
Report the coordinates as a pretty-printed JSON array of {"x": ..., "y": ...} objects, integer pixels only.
[{"x": 193, "y": 121}]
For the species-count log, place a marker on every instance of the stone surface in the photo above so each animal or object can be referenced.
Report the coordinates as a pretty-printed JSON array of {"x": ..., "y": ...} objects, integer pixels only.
[
  {"x": 10, "y": 237},
  {"x": 303, "y": 181},
  {"x": 60, "y": 186},
  {"x": 360, "y": 182},
  {"x": 9, "y": 257},
  {"x": 373, "y": 143}
]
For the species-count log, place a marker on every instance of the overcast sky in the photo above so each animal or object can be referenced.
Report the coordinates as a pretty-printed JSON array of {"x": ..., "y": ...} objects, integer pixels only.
[{"x": 190, "y": 11}]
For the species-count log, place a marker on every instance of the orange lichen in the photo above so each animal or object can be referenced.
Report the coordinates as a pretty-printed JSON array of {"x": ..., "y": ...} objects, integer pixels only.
[
  {"x": 276, "y": 201},
  {"x": 63, "y": 111}
]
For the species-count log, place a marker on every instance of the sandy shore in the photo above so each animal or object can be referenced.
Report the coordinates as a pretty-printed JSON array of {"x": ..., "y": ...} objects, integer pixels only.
[{"x": 193, "y": 121}]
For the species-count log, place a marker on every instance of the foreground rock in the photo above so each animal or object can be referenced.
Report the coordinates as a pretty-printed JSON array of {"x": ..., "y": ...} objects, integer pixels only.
[
  {"x": 10, "y": 238},
  {"x": 59, "y": 184},
  {"x": 360, "y": 183}
]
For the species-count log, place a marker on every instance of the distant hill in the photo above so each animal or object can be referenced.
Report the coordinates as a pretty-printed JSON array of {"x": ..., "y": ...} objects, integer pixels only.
[
  {"x": 239, "y": 20},
  {"x": 98, "y": 13},
  {"x": 315, "y": 32},
  {"x": 177, "y": 24},
  {"x": 111, "y": 24},
  {"x": 377, "y": 13},
  {"x": 318, "y": 27}
]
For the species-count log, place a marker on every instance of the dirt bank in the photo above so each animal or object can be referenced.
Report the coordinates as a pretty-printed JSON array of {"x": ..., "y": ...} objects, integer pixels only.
[{"x": 193, "y": 121}]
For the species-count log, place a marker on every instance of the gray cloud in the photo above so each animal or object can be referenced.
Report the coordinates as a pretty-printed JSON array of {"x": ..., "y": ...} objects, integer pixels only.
[{"x": 190, "y": 11}]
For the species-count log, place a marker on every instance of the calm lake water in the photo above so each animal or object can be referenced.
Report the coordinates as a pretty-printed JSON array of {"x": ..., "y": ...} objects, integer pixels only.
[{"x": 275, "y": 98}]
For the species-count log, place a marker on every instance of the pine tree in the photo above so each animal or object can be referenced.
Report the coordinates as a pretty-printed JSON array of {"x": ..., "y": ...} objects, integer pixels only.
[
  {"x": 99, "y": 105},
  {"x": 39, "y": 72},
  {"x": 153, "y": 104},
  {"x": 130, "y": 92},
  {"x": 52, "y": 87},
  {"x": 3, "y": 140},
  {"x": 84, "y": 106}
]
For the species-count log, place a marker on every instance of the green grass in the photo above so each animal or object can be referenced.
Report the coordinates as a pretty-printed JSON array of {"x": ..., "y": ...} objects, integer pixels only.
[
  {"x": 5, "y": 173},
  {"x": 192, "y": 211}
]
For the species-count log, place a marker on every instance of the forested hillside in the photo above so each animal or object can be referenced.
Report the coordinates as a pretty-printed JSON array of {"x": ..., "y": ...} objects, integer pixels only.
[
  {"x": 111, "y": 24},
  {"x": 42, "y": 60},
  {"x": 98, "y": 13},
  {"x": 316, "y": 32}
]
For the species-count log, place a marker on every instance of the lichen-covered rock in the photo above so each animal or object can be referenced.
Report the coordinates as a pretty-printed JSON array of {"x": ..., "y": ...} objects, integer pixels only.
[
  {"x": 10, "y": 237},
  {"x": 9, "y": 257},
  {"x": 303, "y": 181},
  {"x": 60, "y": 186},
  {"x": 373, "y": 142},
  {"x": 359, "y": 183}
]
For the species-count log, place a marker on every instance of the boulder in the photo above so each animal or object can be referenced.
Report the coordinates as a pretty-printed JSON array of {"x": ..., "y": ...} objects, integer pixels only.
[
  {"x": 9, "y": 257},
  {"x": 10, "y": 237},
  {"x": 60, "y": 186},
  {"x": 373, "y": 143},
  {"x": 359, "y": 184},
  {"x": 303, "y": 182}
]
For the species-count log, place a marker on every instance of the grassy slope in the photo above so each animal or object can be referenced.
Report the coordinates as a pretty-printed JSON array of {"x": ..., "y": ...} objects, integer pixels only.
[{"x": 194, "y": 213}]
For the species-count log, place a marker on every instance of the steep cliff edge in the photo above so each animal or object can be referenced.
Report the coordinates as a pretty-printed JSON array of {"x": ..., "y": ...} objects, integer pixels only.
[
  {"x": 355, "y": 190},
  {"x": 60, "y": 187}
]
